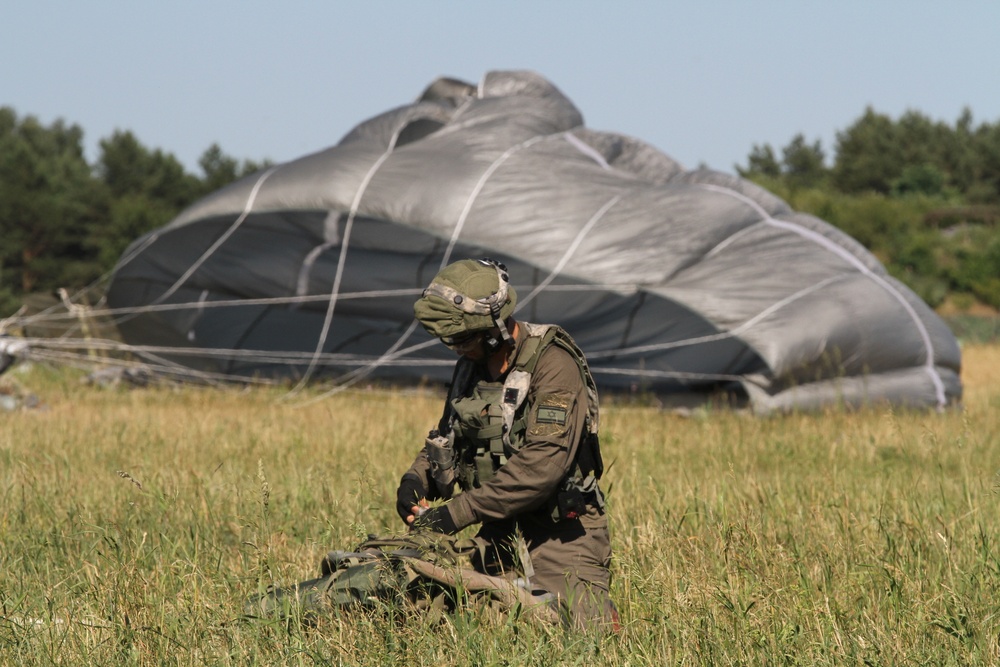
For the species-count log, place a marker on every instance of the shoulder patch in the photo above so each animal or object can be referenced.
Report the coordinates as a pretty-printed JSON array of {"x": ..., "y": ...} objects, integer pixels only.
[{"x": 550, "y": 414}]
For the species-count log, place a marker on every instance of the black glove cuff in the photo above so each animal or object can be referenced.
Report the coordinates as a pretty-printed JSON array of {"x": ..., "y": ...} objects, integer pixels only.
[
  {"x": 437, "y": 519},
  {"x": 411, "y": 489}
]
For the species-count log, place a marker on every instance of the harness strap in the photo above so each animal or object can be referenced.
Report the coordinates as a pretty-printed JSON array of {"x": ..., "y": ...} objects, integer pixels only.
[
  {"x": 515, "y": 390},
  {"x": 503, "y": 422}
]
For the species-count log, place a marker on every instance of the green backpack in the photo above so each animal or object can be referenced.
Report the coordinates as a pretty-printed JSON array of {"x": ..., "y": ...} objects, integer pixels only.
[{"x": 422, "y": 570}]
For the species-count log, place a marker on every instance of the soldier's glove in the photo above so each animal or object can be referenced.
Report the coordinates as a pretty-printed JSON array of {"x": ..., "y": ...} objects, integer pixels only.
[
  {"x": 437, "y": 519},
  {"x": 410, "y": 490}
]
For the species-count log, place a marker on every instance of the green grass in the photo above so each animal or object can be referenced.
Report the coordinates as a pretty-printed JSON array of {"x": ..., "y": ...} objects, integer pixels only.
[{"x": 134, "y": 524}]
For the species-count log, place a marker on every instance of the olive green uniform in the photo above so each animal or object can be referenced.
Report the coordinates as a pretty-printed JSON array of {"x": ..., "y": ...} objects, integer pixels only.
[{"x": 570, "y": 557}]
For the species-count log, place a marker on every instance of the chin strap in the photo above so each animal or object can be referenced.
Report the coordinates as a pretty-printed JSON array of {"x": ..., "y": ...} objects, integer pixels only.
[{"x": 498, "y": 298}]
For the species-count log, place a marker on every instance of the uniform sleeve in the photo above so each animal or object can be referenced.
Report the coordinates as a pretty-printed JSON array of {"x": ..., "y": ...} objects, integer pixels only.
[{"x": 556, "y": 415}]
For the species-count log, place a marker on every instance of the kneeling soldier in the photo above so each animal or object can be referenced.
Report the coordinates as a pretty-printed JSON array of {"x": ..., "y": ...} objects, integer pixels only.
[{"x": 516, "y": 449}]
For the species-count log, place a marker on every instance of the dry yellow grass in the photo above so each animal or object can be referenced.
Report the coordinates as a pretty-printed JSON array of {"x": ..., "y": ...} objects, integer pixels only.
[
  {"x": 980, "y": 372},
  {"x": 134, "y": 523}
]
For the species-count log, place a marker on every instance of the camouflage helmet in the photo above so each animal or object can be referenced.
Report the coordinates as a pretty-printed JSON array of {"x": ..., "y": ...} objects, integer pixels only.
[{"x": 465, "y": 297}]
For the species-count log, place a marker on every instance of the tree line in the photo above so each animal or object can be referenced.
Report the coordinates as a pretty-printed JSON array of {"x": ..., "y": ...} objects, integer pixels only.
[
  {"x": 922, "y": 195},
  {"x": 65, "y": 222}
]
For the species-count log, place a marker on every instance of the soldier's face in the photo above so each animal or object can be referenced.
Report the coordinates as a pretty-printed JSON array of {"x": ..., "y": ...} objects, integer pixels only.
[{"x": 471, "y": 347}]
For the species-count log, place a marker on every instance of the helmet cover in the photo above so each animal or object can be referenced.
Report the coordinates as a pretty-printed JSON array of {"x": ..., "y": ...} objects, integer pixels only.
[{"x": 465, "y": 297}]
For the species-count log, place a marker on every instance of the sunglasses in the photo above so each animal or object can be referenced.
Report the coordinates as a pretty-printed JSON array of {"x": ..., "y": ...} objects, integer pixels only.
[{"x": 461, "y": 341}]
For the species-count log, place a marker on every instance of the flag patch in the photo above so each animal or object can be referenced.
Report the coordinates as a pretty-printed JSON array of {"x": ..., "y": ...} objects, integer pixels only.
[{"x": 550, "y": 414}]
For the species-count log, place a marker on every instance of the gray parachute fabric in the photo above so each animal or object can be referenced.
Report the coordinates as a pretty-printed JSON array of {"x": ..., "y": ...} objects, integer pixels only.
[{"x": 672, "y": 281}]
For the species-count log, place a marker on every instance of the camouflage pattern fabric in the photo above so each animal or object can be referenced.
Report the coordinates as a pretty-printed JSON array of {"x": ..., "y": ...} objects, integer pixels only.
[{"x": 421, "y": 570}]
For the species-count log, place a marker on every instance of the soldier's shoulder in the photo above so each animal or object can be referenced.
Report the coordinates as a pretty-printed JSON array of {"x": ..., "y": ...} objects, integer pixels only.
[{"x": 556, "y": 362}]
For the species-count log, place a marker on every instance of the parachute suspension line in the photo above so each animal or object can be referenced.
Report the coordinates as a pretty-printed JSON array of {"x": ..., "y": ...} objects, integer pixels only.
[
  {"x": 587, "y": 150},
  {"x": 55, "y": 349},
  {"x": 70, "y": 301},
  {"x": 828, "y": 245},
  {"x": 341, "y": 260},
  {"x": 348, "y": 380},
  {"x": 52, "y": 312},
  {"x": 268, "y": 356},
  {"x": 70, "y": 347},
  {"x": 8, "y": 321},
  {"x": 570, "y": 251},
  {"x": 150, "y": 240},
  {"x": 205, "y": 305},
  {"x": 391, "y": 353},
  {"x": 37, "y": 350},
  {"x": 677, "y": 375},
  {"x": 219, "y": 241},
  {"x": 732, "y": 333},
  {"x": 479, "y": 188}
]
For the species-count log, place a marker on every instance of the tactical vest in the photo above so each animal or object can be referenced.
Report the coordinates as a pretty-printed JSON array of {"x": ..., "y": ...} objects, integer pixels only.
[{"x": 485, "y": 422}]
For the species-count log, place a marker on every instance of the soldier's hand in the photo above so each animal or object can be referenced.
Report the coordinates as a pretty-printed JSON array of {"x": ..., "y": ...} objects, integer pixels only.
[
  {"x": 437, "y": 519},
  {"x": 408, "y": 496},
  {"x": 418, "y": 510}
]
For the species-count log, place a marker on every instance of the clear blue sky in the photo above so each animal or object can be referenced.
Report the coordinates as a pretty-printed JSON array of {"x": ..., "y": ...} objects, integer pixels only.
[{"x": 702, "y": 81}]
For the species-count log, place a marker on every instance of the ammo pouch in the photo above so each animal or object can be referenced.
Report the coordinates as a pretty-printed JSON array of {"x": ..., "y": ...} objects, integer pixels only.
[
  {"x": 440, "y": 451},
  {"x": 580, "y": 488},
  {"x": 495, "y": 436},
  {"x": 574, "y": 496}
]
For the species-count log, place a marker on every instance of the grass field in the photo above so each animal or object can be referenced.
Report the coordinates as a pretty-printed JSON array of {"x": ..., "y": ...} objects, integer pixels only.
[{"x": 134, "y": 524}]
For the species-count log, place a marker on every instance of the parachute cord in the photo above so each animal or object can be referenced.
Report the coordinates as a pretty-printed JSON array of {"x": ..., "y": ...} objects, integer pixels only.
[
  {"x": 54, "y": 348},
  {"x": 570, "y": 251},
  {"x": 39, "y": 318},
  {"x": 150, "y": 240},
  {"x": 460, "y": 224},
  {"x": 731, "y": 333},
  {"x": 8, "y": 321},
  {"x": 150, "y": 364},
  {"x": 848, "y": 257},
  {"x": 480, "y": 184},
  {"x": 247, "y": 208},
  {"x": 50, "y": 349},
  {"x": 586, "y": 149},
  {"x": 677, "y": 375},
  {"x": 352, "y": 378},
  {"x": 57, "y": 346},
  {"x": 341, "y": 260}
]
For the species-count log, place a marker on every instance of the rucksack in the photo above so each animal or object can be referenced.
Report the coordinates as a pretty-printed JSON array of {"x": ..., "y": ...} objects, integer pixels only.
[{"x": 420, "y": 570}]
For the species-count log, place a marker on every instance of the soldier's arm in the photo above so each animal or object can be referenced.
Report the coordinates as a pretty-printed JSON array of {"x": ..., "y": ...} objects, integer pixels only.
[{"x": 557, "y": 410}]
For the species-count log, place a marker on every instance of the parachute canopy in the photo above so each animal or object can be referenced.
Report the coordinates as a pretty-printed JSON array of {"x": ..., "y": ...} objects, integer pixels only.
[{"x": 671, "y": 280}]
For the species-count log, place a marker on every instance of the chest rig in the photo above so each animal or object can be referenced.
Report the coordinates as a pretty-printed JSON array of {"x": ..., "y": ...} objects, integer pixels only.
[{"x": 484, "y": 422}]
